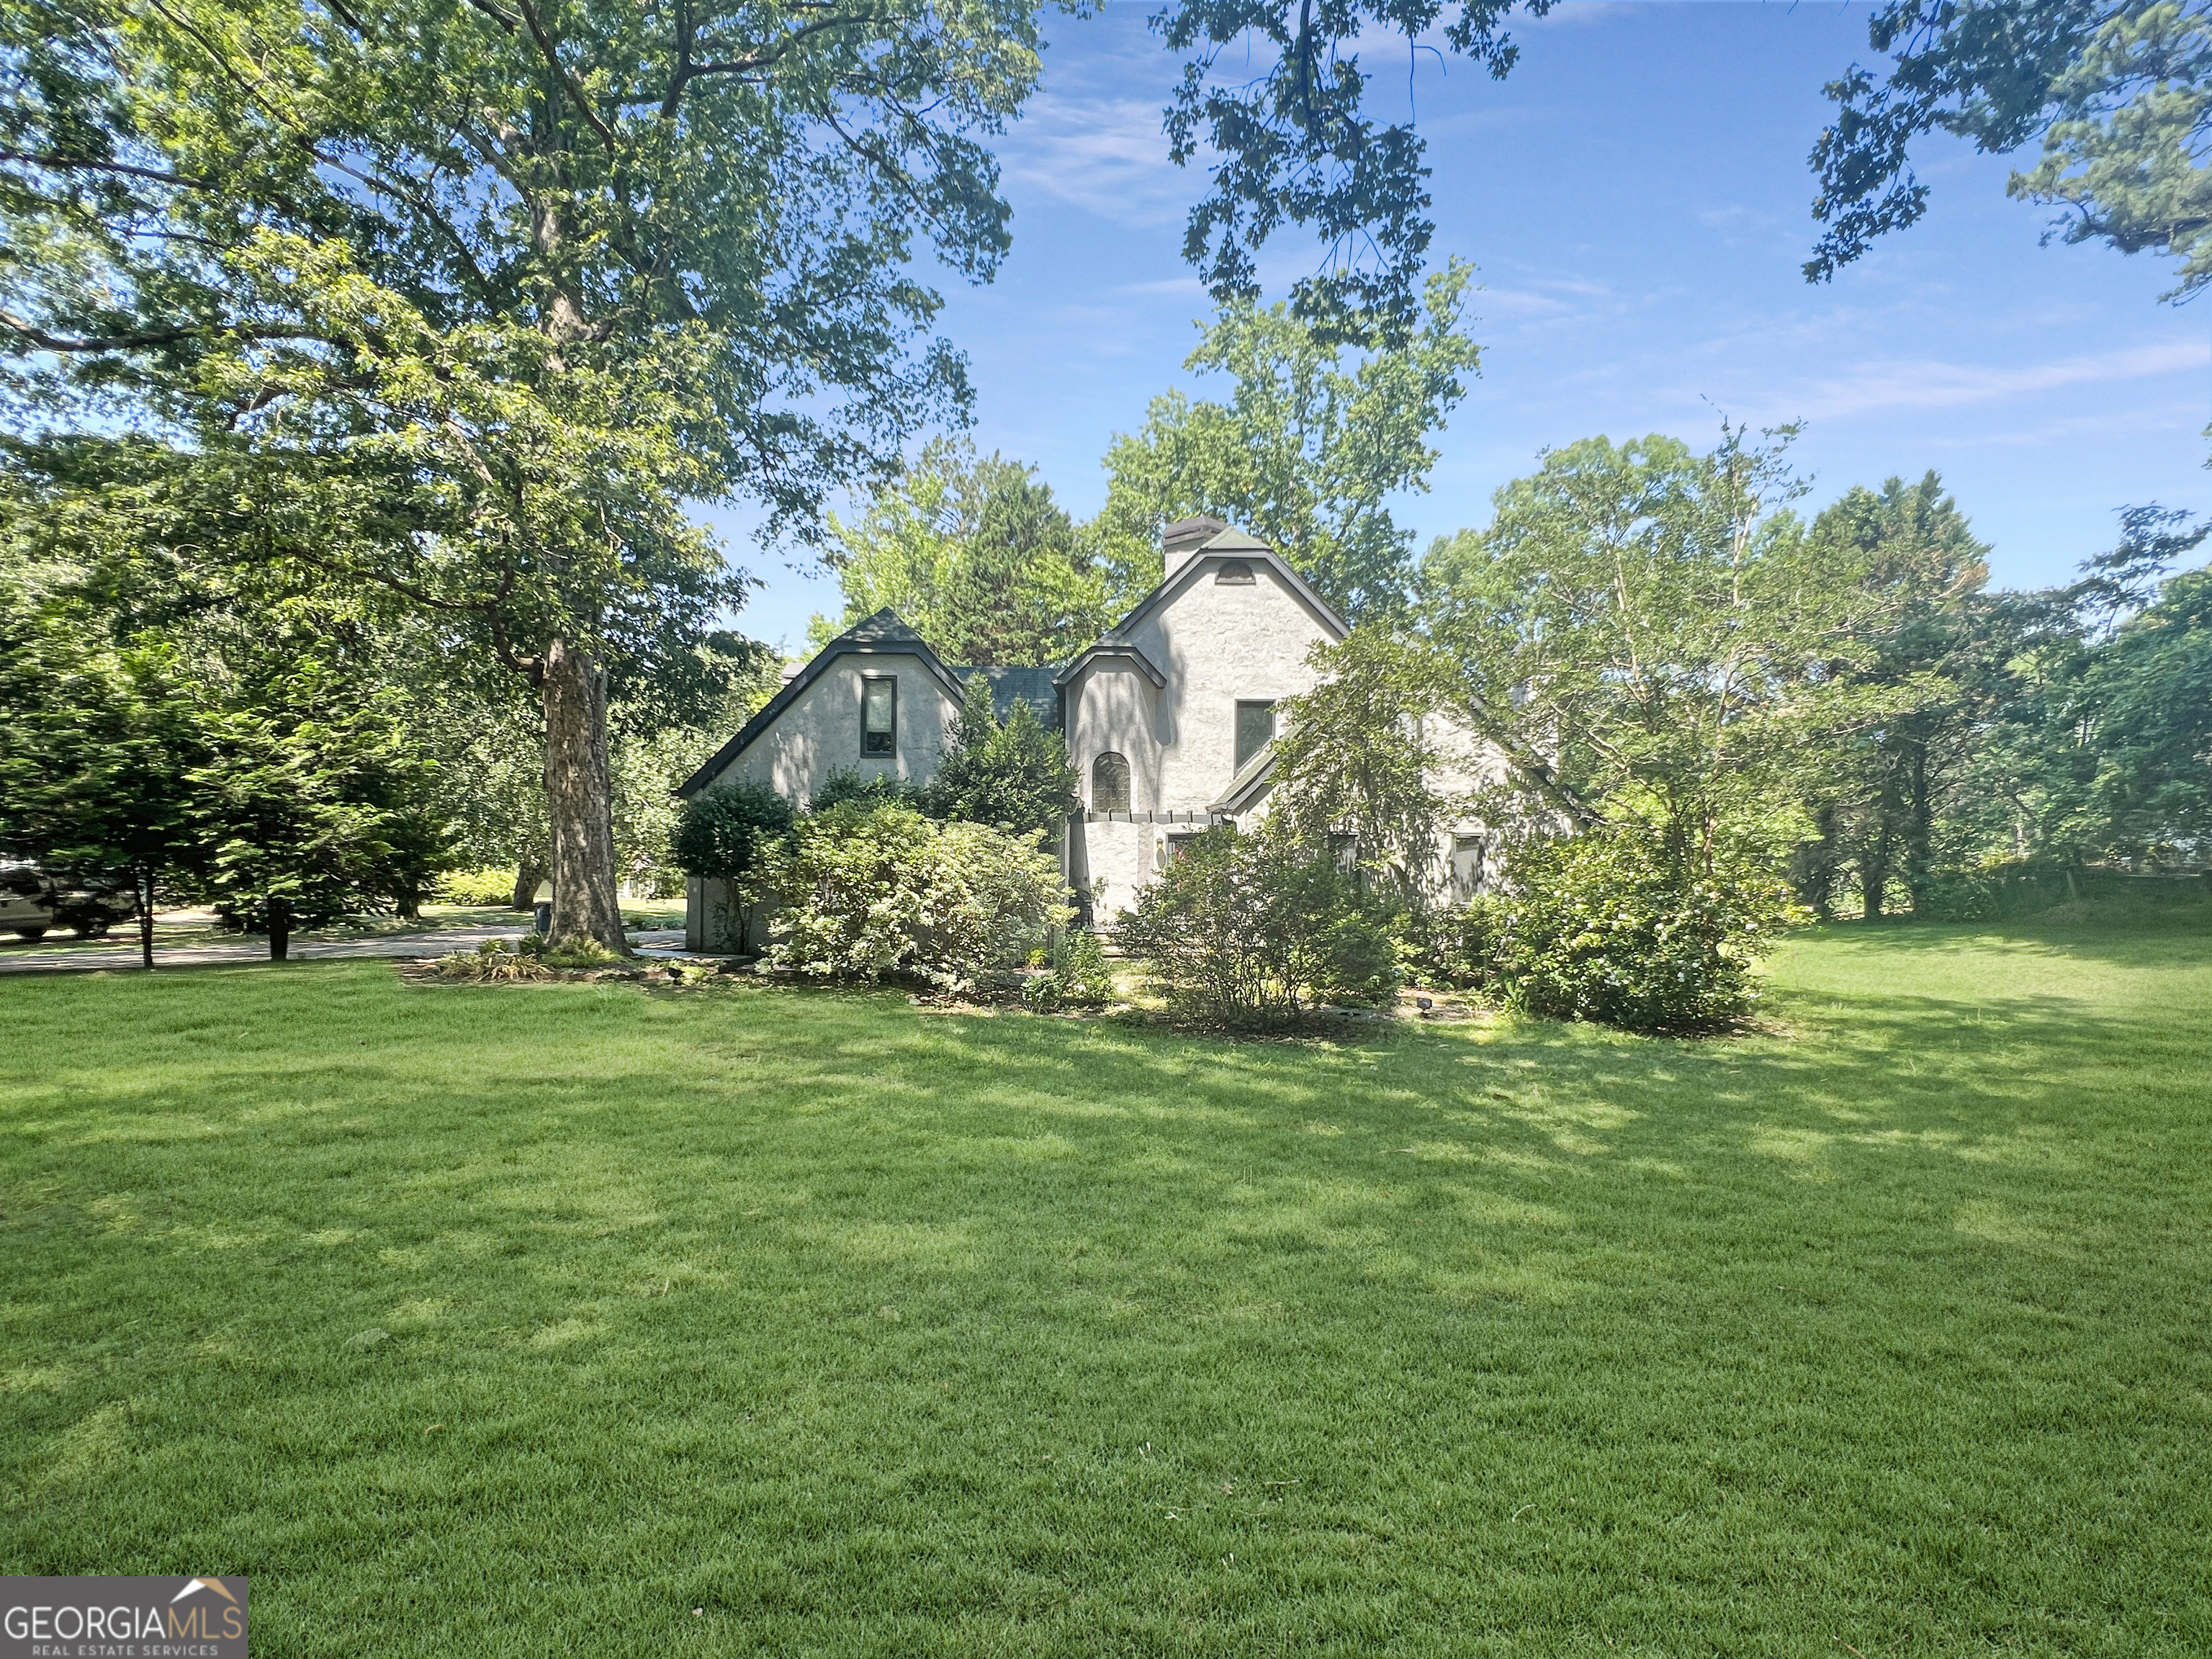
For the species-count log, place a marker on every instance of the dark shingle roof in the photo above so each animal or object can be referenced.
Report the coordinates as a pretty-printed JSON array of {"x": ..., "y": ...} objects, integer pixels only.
[{"x": 1009, "y": 686}]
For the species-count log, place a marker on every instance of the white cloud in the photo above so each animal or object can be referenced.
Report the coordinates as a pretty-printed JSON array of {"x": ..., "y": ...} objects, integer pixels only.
[
  {"x": 1929, "y": 384},
  {"x": 1103, "y": 155}
]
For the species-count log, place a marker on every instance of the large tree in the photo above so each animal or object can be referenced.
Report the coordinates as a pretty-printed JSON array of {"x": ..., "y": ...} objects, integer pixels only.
[
  {"x": 2119, "y": 91},
  {"x": 1647, "y": 631},
  {"x": 264, "y": 746},
  {"x": 975, "y": 553},
  {"x": 1306, "y": 453},
  {"x": 1936, "y": 647},
  {"x": 472, "y": 298}
]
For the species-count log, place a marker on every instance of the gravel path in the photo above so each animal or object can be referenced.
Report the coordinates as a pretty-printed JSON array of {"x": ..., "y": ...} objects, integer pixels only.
[{"x": 123, "y": 954}]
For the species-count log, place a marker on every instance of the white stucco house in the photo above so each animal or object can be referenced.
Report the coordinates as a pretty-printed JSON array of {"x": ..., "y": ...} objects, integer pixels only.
[{"x": 1170, "y": 720}]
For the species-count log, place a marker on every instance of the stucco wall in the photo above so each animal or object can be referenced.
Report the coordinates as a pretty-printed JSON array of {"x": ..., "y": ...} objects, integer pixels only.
[
  {"x": 1118, "y": 859},
  {"x": 1112, "y": 709},
  {"x": 1216, "y": 645},
  {"x": 820, "y": 732}
]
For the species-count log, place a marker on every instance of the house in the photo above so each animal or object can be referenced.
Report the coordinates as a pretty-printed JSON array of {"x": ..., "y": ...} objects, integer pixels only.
[{"x": 1169, "y": 718}]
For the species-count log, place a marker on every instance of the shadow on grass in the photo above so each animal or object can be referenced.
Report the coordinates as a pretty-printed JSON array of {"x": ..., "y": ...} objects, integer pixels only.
[
  {"x": 857, "y": 1328},
  {"x": 2143, "y": 935}
]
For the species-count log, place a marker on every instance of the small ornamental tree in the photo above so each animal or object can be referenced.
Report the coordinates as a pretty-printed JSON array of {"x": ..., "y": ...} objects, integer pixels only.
[
  {"x": 725, "y": 834},
  {"x": 1012, "y": 775},
  {"x": 1358, "y": 754},
  {"x": 1245, "y": 932},
  {"x": 1605, "y": 926}
]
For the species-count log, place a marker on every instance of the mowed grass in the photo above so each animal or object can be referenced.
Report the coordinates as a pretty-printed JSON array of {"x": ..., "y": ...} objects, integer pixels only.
[{"x": 482, "y": 1321}]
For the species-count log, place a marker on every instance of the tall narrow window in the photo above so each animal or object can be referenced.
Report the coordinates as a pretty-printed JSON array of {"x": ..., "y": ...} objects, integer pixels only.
[
  {"x": 1467, "y": 854},
  {"x": 1255, "y": 730},
  {"x": 880, "y": 716},
  {"x": 1109, "y": 784}
]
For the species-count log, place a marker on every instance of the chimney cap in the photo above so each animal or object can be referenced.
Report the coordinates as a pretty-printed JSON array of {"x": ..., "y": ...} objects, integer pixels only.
[{"x": 1185, "y": 536}]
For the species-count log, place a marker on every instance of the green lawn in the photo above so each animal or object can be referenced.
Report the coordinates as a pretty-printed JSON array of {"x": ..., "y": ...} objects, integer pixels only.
[{"x": 476, "y": 1320}]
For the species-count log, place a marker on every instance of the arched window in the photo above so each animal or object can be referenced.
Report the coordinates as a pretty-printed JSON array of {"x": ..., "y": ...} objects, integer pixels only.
[{"x": 1109, "y": 784}]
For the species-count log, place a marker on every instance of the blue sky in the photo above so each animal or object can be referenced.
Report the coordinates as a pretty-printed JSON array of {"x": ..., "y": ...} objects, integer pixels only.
[{"x": 1635, "y": 198}]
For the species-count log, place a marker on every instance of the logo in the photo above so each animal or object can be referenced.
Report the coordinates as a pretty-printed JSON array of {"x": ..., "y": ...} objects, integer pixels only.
[{"x": 121, "y": 1619}]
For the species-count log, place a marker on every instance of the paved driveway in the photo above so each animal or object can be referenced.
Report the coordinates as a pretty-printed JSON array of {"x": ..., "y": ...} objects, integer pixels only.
[{"x": 123, "y": 954}]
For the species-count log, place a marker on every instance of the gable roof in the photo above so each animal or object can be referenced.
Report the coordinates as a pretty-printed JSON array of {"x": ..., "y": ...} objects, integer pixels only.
[
  {"x": 883, "y": 635},
  {"x": 1121, "y": 648},
  {"x": 1228, "y": 544},
  {"x": 1256, "y": 778}
]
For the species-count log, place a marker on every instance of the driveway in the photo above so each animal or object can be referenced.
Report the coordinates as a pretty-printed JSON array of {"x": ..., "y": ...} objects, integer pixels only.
[{"x": 123, "y": 955}]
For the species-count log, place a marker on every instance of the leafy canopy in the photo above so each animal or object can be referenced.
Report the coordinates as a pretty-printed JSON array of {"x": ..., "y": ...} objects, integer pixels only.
[
  {"x": 976, "y": 557},
  {"x": 2119, "y": 91},
  {"x": 1306, "y": 453},
  {"x": 1646, "y": 631},
  {"x": 1277, "y": 93}
]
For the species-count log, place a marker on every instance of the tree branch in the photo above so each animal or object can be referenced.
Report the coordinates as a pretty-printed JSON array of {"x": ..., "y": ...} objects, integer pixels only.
[
  {"x": 157, "y": 337},
  {"x": 568, "y": 81},
  {"x": 92, "y": 164}
]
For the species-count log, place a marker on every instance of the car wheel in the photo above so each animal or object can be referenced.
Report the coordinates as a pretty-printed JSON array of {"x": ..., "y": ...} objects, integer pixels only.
[{"x": 30, "y": 935}]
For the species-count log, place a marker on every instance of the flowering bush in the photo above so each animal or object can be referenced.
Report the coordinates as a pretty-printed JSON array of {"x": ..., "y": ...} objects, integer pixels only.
[
  {"x": 1251, "y": 931},
  {"x": 874, "y": 891},
  {"x": 1603, "y": 926}
]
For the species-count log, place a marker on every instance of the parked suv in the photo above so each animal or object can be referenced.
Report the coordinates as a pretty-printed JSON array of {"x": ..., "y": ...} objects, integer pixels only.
[{"x": 33, "y": 900}]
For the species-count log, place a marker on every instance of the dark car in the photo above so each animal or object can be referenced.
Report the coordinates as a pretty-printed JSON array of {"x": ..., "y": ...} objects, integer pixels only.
[{"x": 33, "y": 900}]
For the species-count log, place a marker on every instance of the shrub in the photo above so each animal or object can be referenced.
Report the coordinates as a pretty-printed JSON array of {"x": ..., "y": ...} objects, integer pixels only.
[
  {"x": 850, "y": 786},
  {"x": 722, "y": 832},
  {"x": 500, "y": 960},
  {"x": 494, "y": 961},
  {"x": 1251, "y": 932},
  {"x": 1456, "y": 944},
  {"x": 1603, "y": 926},
  {"x": 874, "y": 891},
  {"x": 1965, "y": 897},
  {"x": 477, "y": 887},
  {"x": 576, "y": 956},
  {"x": 1078, "y": 977}
]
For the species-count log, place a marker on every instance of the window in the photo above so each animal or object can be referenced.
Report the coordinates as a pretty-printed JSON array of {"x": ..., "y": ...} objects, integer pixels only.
[
  {"x": 1255, "y": 730},
  {"x": 1234, "y": 573},
  {"x": 879, "y": 715},
  {"x": 1467, "y": 854},
  {"x": 1109, "y": 784}
]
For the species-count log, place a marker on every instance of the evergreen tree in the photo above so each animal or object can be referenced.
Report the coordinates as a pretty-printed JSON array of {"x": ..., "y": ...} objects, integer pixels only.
[{"x": 1012, "y": 775}]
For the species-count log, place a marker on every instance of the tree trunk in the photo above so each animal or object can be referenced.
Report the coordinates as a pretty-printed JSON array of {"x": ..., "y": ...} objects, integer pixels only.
[
  {"x": 578, "y": 802},
  {"x": 1873, "y": 875},
  {"x": 142, "y": 882},
  {"x": 527, "y": 880},
  {"x": 1919, "y": 828}
]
